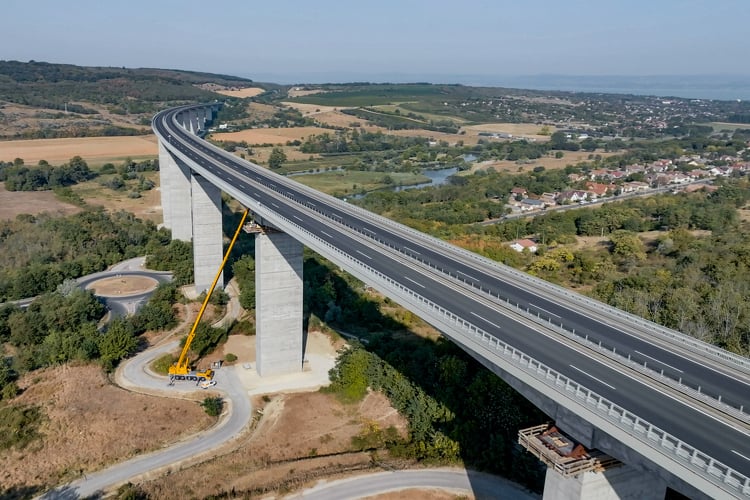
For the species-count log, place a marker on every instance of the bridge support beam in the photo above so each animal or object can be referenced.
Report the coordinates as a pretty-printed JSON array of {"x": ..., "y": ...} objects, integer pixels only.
[
  {"x": 278, "y": 304},
  {"x": 618, "y": 483},
  {"x": 207, "y": 232}
]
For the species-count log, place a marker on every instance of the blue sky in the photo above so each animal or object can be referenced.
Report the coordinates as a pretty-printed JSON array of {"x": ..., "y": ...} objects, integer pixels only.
[{"x": 436, "y": 40}]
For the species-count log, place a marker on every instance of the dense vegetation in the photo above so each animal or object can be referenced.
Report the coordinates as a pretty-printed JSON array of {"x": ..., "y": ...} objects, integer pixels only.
[
  {"x": 123, "y": 90},
  {"x": 39, "y": 252}
]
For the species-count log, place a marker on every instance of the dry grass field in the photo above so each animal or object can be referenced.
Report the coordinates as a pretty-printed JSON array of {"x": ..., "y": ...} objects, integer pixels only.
[
  {"x": 269, "y": 135},
  {"x": 548, "y": 162},
  {"x": 529, "y": 130},
  {"x": 95, "y": 150},
  {"x": 13, "y": 203},
  {"x": 147, "y": 207},
  {"x": 91, "y": 423},
  {"x": 241, "y": 93}
]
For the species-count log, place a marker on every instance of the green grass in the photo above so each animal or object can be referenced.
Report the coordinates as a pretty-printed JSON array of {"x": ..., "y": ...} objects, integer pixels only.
[
  {"x": 346, "y": 183},
  {"x": 719, "y": 126},
  {"x": 19, "y": 425}
]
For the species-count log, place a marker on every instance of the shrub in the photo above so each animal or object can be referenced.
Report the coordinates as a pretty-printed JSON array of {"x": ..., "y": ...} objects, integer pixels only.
[
  {"x": 213, "y": 406},
  {"x": 230, "y": 358}
]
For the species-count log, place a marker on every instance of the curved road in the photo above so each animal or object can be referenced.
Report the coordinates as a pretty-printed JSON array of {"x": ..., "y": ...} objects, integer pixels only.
[
  {"x": 460, "y": 481},
  {"x": 138, "y": 377}
]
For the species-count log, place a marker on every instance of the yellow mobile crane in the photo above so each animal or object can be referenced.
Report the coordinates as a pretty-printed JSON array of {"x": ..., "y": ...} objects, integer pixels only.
[{"x": 181, "y": 370}]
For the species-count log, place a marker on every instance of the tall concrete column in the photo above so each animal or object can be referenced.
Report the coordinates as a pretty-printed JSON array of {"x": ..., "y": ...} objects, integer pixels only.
[
  {"x": 179, "y": 200},
  {"x": 618, "y": 483},
  {"x": 278, "y": 304},
  {"x": 165, "y": 165},
  {"x": 207, "y": 233}
]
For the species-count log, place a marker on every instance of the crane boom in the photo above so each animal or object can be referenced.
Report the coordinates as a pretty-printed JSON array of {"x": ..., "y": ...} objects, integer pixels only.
[{"x": 181, "y": 369}]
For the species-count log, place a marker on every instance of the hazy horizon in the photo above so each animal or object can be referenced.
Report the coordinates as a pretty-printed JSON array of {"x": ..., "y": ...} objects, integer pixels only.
[{"x": 477, "y": 42}]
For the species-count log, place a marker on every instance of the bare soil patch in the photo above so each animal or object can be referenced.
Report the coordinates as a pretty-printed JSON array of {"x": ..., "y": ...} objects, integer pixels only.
[
  {"x": 91, "y": 423},
  {"x": 270, "y": 135},
  {"x": 13, "y": 203},
  {"x": 96, "y": 150},
  {"x": 123, "y": 286},
  {"x": 299, "y": 438},
  {"x": 241, "y": 93}
]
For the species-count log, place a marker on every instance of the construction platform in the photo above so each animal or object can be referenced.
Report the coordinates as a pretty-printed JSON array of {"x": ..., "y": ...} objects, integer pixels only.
[{"x": 563, "y": 454}]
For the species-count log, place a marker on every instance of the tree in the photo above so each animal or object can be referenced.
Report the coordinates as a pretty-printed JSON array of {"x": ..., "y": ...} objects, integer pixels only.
[{"x": 277, "y": 158}]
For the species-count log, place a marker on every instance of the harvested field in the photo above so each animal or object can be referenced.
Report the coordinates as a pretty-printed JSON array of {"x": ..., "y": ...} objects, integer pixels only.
[
  {"x": 299, "y": 92},
  {"x": 270, "y": 135},
  {"x": 437, "y": 136},
  {"x": 91, "y": 423},
  {"x": 517, "y": 130},
  {"x": 95, "y": 150},
  {"x": 13, "y": 203},
  {"x": 241, "y": 93}
]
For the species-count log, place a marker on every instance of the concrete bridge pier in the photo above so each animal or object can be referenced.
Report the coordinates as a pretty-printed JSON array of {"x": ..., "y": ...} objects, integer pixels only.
[
  {"x": 208, "y": 251},
  {"x": 192, "y": 211},
  {"x": 278, "y": 304},
  {"x": 618, "y": 483}
]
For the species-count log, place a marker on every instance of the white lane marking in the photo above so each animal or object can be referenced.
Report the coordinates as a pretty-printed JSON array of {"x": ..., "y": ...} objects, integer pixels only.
[
  {"x": 594, "y": 378},
  {"x": 364, "y": 254},
  {"x": 543, "y": 309},
  {"x": 415, "y": 282},
  {"x": 323, "y": 232},
  {"x": 468, "y": 276},
  {"x": 274, "y": 204},
  {"x": 661, "y": 362},
  {"x": 411, "y": 250},
  {"x": 740, "y": 454},
  {"x": 485, "y": 319},
  {"x": 297, "y": 218}
]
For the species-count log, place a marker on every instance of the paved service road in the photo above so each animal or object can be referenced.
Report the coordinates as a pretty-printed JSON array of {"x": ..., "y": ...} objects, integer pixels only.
[
  {"x": 135, "y": 372},
  {"x": 458, "y": 480}
]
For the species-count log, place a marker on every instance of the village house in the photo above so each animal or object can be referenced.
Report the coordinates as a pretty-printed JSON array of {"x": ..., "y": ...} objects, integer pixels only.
[
  {"x": 528, "y": 204},
  {"x": 572, "y": 196},
  {"x": 521, "y": 245}
]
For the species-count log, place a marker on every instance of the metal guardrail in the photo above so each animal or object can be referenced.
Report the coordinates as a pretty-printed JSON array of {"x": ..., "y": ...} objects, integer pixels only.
[{"x": 699, "y": 463}]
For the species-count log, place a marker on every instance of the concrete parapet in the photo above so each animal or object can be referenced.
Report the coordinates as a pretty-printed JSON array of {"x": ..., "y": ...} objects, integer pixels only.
[{"x": 278, "y": 304}]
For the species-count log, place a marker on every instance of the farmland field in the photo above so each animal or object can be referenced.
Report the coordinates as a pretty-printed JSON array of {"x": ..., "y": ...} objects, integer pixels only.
[
  {"x": 95, "y": 150},
  {"x": 269, "y": 135}
]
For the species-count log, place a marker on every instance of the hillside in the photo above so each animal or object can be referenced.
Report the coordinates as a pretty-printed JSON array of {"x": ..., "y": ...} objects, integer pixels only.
[{"x": 43, "y": 100}]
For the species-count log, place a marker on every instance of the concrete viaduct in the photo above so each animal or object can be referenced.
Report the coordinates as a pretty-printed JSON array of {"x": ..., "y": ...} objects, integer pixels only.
[{"x": 671, "y": 408}]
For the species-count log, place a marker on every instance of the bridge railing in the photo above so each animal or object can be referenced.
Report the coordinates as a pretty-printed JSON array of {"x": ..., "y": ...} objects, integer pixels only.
[
  {"x": 667, "y": 333},
  {"x": 720, "y": 475}
]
